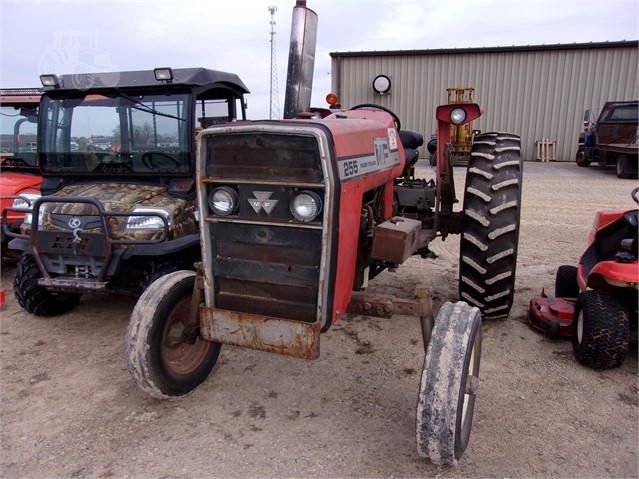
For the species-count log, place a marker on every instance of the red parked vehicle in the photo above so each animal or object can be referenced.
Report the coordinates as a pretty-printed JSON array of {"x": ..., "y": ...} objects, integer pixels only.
[
  {"x": 20, "y": 179},
  {"x": 595, "y": 303}
]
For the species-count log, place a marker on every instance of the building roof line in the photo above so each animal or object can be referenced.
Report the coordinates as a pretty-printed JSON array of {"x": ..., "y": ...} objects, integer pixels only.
[{"x": 513, "y": 48}]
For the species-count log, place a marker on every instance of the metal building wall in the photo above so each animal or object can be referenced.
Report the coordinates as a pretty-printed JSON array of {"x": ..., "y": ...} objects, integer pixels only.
[{"x": 535, "y": 91}]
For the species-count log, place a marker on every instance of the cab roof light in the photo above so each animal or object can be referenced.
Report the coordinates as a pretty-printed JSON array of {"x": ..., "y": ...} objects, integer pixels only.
[
  {"x": 50, "y": 80},
  {"x": 163, "y": 74}
]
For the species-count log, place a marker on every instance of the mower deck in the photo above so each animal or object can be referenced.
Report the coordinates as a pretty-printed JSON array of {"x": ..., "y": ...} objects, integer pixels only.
[{"x": 552, "y": 316}]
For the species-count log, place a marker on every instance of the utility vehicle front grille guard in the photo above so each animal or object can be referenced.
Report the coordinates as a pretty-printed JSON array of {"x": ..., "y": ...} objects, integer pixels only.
[{"x": 39, "y": 236}]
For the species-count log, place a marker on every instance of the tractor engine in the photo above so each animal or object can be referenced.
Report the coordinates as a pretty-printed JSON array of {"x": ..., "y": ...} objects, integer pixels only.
[{"x": 299, "y": 213}]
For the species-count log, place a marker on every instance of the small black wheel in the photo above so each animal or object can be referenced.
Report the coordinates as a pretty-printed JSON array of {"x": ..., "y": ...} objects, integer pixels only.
[
  {"x": 566, "y": 285},
  {"x": 601, "y": 329},
  {"x": 164, "y": 352},
  {"x": 624, "y": 167},
  {"x": 449, "y": 384},
  {"x": 580, "y": 158},
  {"x": 362, "y": 106},
  {"x": 34, "y": 298},
  {"x": 490, "y": 224}
]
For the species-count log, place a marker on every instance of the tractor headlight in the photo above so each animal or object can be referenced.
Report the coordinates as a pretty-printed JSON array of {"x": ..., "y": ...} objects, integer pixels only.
[
  {"x": 458, "y": 116},
  {"x": 223, "y": 201},
  {"x": 306, "y": 206},
  {"x": 152, "y": 221}
]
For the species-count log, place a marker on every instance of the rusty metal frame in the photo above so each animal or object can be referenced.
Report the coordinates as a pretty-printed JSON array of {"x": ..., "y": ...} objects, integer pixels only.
[{"x": 385, "y": 306}]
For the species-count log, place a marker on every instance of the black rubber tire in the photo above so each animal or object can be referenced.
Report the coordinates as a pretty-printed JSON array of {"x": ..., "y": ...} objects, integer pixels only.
[
  {"x": 167, "y": 370},
  {"x": 444, "y": 406},
  {"x": 490, "y": 224},
  {"x": 580, "y": 157},
  {"x": 566, "y": 285},
  {"x": 601, "y": 329},
  {"x": 624, "y": 167},
  {"x": 158, "y": 267},
  {"x": 36, "y": 299}
]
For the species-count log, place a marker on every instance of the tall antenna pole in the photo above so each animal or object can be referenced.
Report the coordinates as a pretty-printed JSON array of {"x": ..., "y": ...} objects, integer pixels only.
[{"x": 274, "y": 110}]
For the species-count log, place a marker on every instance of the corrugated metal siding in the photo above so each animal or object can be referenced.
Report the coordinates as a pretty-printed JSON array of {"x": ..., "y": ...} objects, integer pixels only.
[{"x": 537, "y": 92}]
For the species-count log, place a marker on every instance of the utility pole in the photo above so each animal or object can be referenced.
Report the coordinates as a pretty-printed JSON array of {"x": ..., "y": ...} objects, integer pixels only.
[{"x": 274, "y": 110}]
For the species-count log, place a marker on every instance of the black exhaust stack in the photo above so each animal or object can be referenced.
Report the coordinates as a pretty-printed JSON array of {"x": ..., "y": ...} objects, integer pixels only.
[{"x": 301, "y": 61}]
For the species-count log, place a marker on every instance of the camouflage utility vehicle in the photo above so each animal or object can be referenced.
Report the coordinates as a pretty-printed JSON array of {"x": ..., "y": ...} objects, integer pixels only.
[{"x": 117, "y": 155}]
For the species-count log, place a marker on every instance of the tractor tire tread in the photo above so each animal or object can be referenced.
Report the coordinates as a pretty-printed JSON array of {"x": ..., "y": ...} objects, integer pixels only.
[{"x": 490, "y": 224}]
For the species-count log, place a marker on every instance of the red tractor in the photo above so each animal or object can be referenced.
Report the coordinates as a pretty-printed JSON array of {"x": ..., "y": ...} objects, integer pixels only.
[{"x": 297, "y": 216}]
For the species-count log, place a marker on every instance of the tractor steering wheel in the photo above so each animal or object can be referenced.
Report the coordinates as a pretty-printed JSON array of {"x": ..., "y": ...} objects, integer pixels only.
[{"x": 398, "y": 124}]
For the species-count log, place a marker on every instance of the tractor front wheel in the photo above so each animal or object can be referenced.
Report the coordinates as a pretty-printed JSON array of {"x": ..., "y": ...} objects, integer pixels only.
[
  {"x": 490, "y": 224},
  {"x": 601, "y": 329},
  {"x": 449, "y": 384},
  {"x": 164, "y": 352}
]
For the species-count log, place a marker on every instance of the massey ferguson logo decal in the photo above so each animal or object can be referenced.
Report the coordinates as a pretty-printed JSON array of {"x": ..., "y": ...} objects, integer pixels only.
[
  {"x": 382, "y": 158},
  {"x": 262, "y": 200},
  {"x": 74, "y": 223}
]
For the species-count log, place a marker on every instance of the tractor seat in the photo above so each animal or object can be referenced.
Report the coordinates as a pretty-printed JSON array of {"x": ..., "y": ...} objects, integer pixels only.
[{"x": 411, "y": 139}]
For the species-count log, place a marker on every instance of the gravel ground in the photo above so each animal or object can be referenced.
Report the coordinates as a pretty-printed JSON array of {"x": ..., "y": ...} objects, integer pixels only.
[{"x": 69, "y": 407}]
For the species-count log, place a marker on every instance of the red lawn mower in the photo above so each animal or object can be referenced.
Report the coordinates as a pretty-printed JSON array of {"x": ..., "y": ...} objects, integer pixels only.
[{"x": 596, "y": 303}]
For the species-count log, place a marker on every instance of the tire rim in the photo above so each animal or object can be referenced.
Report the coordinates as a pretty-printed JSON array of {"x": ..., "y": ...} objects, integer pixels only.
[
  {"x": 178, "y": 356},
  {"x": 472, "y": 384},
  {"x": 580, "y": 326}
]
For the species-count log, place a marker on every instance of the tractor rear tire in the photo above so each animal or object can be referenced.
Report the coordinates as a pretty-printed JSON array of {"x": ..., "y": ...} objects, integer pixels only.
[
  {"x": 34, "y": 298},
  {"x": 490, "y": 224},
  {"x": 165, "y": 354},
  {"x": 601, "y": 329},
  {"x": 449, "y": 384},
  {"x": 566, "y": 285}
]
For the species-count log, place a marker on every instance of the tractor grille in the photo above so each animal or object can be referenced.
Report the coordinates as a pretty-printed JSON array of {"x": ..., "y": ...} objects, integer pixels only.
[
  {"x": 266, "y": 270},
  {"x": 263, "y": 261},
  {"x": 250, "y": 156}
]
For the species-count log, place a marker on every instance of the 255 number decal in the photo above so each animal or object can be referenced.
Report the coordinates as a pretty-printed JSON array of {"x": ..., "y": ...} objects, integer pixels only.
[{"x": 350, "y": 168}]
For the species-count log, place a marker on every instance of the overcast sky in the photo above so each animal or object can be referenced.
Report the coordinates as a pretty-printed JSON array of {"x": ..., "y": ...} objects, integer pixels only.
[{"x": 69, "y": 36}]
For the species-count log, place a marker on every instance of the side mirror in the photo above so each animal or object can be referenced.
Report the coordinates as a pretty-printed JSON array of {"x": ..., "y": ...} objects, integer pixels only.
[{"x": 586, "y": 118}]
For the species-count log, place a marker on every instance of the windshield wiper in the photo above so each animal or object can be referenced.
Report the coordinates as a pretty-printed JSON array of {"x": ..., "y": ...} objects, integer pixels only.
[{"x": 142, "y": 107}]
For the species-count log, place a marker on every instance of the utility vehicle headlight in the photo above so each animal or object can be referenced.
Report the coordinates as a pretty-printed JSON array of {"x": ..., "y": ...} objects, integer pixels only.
[
  {"x": 306, "y": 206},
  {"x": 28, "y": 217},
  {"x": 223, "y": 200},
  {"x": 149, "y": 222},
  {"x": 458, "y": 116},
  {"x": 25, "y": 200}
]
